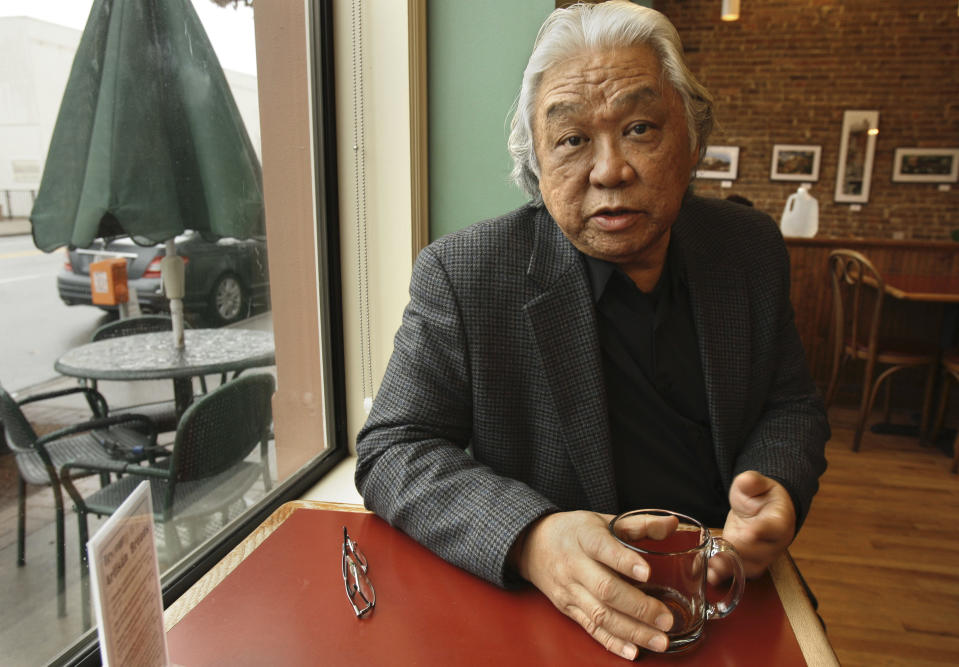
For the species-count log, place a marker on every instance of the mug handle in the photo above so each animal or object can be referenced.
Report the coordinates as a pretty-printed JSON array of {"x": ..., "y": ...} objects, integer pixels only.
[{"x": 731, "y": 599}]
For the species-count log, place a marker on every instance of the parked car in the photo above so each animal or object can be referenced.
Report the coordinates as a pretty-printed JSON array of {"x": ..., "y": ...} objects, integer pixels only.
[{"x": 225, "y": 281}]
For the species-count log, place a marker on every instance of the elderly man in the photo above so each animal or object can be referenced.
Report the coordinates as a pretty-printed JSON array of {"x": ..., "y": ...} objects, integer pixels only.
[{"x": 617, "y": 343}]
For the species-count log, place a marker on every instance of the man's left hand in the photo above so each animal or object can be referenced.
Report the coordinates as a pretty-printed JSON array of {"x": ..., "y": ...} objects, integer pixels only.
[{"x": 761, "y": 522}]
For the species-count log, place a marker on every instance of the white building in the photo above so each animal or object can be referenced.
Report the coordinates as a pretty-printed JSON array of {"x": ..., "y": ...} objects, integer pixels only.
[{"x": 35, "y": 61}]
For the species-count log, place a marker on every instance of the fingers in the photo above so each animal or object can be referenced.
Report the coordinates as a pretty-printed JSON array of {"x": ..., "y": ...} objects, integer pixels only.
[
  {"x": 761, "y": 522},
  {"x": 618, "y": 614},
  {"x": 619, "y": 633},
  {"x": 748, "y": 492},
  {"x": 718, "y": 570},
  {"x": 574, "y": 560},
  {"x": 641, "y": 525},
  {"x": 761, "y": 506},
  {"x": 752, "y": 483}
]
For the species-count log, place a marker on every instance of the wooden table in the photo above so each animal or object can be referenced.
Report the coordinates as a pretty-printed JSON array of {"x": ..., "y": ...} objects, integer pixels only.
[
  {"x": 925, "y": 289},
  {"x": 929, "y": 289},
  {"x": 152, "y": 356},
  {"x": 937, "y": 289},
  {"x": 282, "y": 601}
]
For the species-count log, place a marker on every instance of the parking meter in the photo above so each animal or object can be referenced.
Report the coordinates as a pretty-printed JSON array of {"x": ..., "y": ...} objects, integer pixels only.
[{"x": 108, "y": 282}]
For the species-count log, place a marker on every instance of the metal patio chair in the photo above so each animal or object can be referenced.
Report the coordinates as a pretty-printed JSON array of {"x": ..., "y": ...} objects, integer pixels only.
[
  {"x": 206, "y": 474},
  {"x": 101, "y": 439}
]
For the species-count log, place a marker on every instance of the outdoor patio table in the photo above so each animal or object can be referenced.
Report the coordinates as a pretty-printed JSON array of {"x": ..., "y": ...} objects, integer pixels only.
[{"x": 152, "y": 356}]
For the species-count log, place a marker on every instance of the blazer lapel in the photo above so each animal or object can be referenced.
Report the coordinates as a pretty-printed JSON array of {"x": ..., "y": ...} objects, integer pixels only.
[
  {"x": 720, "y": 306},
  {"x": 564, "y": 330}
]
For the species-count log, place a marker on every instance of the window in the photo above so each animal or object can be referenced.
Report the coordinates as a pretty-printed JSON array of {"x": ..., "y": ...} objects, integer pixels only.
[{"x": 304, "y": 311}]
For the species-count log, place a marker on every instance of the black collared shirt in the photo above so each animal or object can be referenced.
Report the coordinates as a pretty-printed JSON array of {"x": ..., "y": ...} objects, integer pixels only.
[{"x": 659, "y": 419}]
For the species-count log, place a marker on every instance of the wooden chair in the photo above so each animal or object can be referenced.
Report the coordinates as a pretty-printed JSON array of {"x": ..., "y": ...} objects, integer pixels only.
[
  {"x": 858, "y": 293},
  {"x": 950, "y": 370}
]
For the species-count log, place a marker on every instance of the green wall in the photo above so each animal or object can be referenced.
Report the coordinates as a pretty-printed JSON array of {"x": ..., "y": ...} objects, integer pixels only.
[{"x": 477, "y": 52}]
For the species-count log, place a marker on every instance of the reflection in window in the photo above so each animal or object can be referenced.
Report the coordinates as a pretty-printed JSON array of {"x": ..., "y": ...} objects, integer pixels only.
[{"x": 226, "y": 290}]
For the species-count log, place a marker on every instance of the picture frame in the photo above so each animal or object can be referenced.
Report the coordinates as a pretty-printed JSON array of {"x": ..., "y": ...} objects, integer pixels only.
[
  {"x": 719, "y": 162},
  {"x": 857, "y": 149},
  {"x": 925, "y": 165},
  {"x": 795, "y": 162}
]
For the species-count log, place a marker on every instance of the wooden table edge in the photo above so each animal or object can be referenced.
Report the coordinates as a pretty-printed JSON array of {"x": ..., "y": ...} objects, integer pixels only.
[
  {"x": 195, "y": 594},
  {"x": 913, "y": 294},
  {"x": 803, "y": 619},
  {"x": 931, "y": 297}
]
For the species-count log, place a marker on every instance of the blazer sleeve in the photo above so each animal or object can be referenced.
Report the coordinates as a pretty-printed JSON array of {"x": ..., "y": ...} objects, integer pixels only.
[
  {"x": 413, "y": 468},
  {"x": 788, "y": 440}
]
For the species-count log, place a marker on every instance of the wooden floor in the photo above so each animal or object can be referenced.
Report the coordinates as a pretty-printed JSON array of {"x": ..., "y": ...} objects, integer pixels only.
[{"x": 880, "y": 550}]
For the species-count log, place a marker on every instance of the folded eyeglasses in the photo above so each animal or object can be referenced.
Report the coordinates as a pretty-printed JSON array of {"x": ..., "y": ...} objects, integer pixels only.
[{"x": 359, "y": 588}]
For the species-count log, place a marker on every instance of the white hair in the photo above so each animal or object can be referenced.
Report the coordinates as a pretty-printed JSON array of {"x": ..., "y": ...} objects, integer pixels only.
[{"x": 604, "y": 26}]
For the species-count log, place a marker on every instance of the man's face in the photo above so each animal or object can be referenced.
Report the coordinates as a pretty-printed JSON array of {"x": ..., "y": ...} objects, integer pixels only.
[{"x": 613, "y": 147}]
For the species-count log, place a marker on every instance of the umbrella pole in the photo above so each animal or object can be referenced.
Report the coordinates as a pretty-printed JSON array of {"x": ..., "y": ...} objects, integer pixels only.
[{"x": 172, "y": 271}]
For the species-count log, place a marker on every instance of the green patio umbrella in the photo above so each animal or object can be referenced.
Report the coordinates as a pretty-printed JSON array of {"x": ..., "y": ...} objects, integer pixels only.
[{"x": 148, "y": 141}]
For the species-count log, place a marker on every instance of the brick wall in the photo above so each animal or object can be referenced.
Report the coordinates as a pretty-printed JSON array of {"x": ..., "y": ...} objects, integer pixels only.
[{"x": 785, "y": 72}]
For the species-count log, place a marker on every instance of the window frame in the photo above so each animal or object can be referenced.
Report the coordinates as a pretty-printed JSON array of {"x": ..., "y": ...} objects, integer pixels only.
[{"x": 319, "y": 46}]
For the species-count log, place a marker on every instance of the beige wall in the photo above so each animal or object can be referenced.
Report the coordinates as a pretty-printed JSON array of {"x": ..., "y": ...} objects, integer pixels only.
[{"x": 387, "y": 139}]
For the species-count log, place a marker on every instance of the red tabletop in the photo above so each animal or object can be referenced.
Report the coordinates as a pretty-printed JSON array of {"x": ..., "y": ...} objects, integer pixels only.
[{"x": 285, "y": 604}]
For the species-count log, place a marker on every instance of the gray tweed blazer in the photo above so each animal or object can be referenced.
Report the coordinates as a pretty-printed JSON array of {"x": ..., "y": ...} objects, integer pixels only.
[{"x": 493, "y": 411}]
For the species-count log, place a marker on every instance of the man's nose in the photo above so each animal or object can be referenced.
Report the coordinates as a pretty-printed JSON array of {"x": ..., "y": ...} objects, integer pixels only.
[{"x": 610, "y": 168}]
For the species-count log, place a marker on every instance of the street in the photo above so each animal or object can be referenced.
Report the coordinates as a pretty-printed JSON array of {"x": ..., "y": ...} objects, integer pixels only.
[{"x": 37, "y": 327}]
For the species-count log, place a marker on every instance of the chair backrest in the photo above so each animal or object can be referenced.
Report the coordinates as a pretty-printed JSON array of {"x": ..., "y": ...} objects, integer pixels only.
[
  {"x": 17, "y": 429},
  {"x": 857, "y": 291},
  {"x": 134, "y": 325},
  {"x": 222, "y": 427}
]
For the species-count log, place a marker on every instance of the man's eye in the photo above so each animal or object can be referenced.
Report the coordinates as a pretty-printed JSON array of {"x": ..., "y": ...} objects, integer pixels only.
[
  {"x": 574, "y": 140},
  {"x": 639, "y": 128}
]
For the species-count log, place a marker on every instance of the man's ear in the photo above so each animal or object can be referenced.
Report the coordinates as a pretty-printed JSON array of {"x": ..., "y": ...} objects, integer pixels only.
[{"x": 695, "y": 156}]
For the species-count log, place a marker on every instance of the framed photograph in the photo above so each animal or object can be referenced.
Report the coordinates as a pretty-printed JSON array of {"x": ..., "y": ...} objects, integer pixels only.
[
  {"x": 720, "y": 162},
  {"x": 792, "y": 162},
  {"x": 926, "y": 165},
  {"x": 857, "y": 148}
]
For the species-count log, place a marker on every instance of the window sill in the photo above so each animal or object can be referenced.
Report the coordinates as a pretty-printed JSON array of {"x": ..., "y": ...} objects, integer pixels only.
[{"x": 337, "y": 485}]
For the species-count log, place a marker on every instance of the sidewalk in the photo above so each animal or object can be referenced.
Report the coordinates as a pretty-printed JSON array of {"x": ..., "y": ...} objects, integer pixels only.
[{"x": 14, "y": 226}]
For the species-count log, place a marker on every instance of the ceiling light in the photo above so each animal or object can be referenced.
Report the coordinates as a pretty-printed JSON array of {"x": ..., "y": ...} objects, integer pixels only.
[{"x": 730, "y": 10}]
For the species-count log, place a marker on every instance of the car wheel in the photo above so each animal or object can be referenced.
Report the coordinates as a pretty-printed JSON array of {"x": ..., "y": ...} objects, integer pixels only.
[{"x": 228, "y": 300}]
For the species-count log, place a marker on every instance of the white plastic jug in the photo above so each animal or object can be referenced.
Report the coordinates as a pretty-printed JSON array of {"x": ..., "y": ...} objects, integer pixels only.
[{"x": 801, "y": 214}]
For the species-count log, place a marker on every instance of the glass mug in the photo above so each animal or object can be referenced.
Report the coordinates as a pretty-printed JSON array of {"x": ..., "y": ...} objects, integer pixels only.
[{"x": 677, "y": 560}]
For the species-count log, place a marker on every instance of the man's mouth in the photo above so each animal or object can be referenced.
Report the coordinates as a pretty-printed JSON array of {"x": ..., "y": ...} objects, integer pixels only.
[{"x": 614, "y": 219}]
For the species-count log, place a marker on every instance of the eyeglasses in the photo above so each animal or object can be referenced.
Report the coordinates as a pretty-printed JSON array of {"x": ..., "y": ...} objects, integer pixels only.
[{"x": 357, "y": 583}]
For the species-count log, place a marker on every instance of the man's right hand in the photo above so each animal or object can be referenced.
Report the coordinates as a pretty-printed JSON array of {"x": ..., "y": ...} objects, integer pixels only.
[{"x": 575, "y": 561}]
